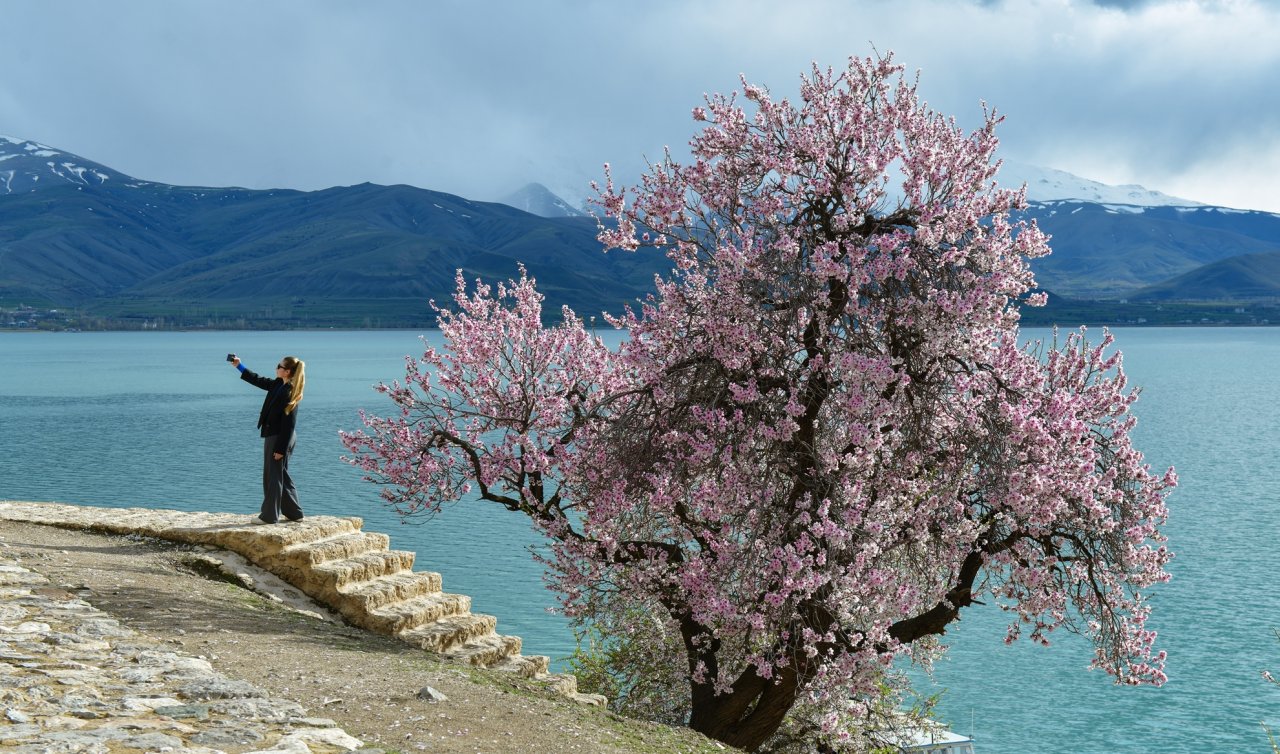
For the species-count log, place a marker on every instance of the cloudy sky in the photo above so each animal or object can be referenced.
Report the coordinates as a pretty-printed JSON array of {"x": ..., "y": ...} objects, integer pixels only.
[{"x": 478, "y": 97}]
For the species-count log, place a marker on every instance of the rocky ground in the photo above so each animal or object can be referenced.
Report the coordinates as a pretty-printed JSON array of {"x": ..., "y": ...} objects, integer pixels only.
[{"x": 368, "y": 684}]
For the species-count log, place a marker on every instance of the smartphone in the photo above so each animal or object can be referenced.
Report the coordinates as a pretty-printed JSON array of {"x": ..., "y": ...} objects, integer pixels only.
[{"x": 231, "y": 357}]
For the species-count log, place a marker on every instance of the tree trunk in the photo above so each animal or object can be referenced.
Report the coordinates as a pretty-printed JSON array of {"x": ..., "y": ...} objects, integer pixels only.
[
  {"x": 748, "y": 715},
  {"x": 753, "y": 710}
]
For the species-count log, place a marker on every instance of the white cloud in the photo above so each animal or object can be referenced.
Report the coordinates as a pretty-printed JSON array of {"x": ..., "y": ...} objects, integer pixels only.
[
  {"x": 478, "y": 98},
  {"x": 1244, "y": 177}
]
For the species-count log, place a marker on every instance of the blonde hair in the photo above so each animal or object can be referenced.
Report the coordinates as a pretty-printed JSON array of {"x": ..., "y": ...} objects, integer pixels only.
[{"x": 297, "y": 379}]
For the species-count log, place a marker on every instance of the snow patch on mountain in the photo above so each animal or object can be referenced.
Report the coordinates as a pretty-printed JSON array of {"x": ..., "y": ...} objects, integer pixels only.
[
  {"x": 1045, "y": 185},
  {"x": 26, "y": 162},
  {"x": 537, "y": 199}
]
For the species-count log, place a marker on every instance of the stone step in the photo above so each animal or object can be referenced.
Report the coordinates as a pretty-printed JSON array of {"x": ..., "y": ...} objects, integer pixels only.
[
  {"x": 566, "y": 685},
  {"x": 450, "y": 632},
  {"x": 525, "y": 666},
  {"x": 331, "y": 560},
  {"x": 340, "y": 547},
  {"x": 562, "y": 684},
  {"x": 368, "y": 566},
  {"x": 394, "y": 619},
  {"x": 486, "y": 650},
  {"x": 265, "y": 544},
  {"x": 289, "y": 534},
  {"x": 389, "y": 590}
]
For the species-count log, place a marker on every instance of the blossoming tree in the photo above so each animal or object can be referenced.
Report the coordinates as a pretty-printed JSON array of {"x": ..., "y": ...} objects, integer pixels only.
[{"x": 821, "y": 440}]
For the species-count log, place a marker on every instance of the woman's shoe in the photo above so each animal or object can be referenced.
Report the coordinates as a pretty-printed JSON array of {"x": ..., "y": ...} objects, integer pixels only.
[{"x": 259, "y": 521}]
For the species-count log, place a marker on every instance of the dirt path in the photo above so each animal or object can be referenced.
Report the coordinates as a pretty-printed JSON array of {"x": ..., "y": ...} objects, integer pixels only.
[{"x": 369, "y": 684}]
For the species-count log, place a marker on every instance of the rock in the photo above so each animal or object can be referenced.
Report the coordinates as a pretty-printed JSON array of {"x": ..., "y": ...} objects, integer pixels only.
[
  {"x": 332, "y": 738},
  {"x": 431, "y": 695},
  {"x": 218, "y": 687},
  {"x": 226, "y": 735},
  {"x": 74, "y": 680},
  {"x": 197, "y": 711},
  {"x": 153, "y": 742}
]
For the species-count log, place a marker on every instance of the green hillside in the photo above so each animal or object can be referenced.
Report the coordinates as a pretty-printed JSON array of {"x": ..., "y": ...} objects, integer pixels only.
[
  {"x": 1248, "y": 277},
  {"x": 118, "y": 252},
  {"x": 338, "y": 257},
  {"x": 1105, "y": 253}
]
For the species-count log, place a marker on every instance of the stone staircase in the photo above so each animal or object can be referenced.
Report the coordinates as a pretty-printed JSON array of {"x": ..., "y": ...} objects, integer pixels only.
[
  {"x": 337, "y": 564},
  {"x": 370, "y": 586}
]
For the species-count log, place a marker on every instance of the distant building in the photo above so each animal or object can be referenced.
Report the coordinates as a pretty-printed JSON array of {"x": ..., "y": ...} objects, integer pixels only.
[
  {"x": 928, "y": 738},
  {"x": 935, "y": 741}
]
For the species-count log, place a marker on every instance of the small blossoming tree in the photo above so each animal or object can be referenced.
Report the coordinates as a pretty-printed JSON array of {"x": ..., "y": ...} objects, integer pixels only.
[{"x": 821, "y": 440}]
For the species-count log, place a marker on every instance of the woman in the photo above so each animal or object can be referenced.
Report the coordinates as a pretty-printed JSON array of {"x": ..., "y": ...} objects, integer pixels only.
[{"x": 276, "y": 423}]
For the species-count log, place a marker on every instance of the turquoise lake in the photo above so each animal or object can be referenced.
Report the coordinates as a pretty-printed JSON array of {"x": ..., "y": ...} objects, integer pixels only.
[{"x": 160, "y": 420}]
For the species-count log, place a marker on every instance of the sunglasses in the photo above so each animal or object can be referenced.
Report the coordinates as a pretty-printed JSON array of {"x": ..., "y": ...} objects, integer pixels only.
[{"x": 281, "y": 366}]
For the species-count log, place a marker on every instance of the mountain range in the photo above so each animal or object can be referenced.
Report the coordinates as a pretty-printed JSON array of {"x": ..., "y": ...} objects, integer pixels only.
[
  {"x": 81, "y": 236},
  {"x": 1115, "y": 243},
  {"x": 76, "y": 234}
]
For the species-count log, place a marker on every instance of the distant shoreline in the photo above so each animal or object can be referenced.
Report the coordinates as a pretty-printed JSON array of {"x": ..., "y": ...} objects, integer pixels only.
[
  {"x": 358, "y": 316},
  {"x": 1024, "y": 324}
]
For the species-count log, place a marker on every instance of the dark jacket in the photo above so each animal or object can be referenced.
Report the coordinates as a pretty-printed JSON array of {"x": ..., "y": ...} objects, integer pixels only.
[{"x": 273, "y": 420}]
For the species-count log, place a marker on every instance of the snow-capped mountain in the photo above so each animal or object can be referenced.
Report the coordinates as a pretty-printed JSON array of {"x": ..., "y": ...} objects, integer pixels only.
[
  {"x": 1046, "y": 185},
  {"x": 76, "y": 234},
  {"x": 69, "y": 236},
  {"x": 1122, "y": 242},
  {"x": 539, "y": 200},
  {"x": 26, "y": 165}
]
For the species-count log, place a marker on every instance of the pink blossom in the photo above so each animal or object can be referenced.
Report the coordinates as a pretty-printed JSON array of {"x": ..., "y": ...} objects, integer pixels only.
[{"x": 822, "y": 440}]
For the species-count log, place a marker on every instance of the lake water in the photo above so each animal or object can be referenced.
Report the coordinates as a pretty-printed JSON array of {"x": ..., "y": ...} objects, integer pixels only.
[{"x": 160, "y": 420}]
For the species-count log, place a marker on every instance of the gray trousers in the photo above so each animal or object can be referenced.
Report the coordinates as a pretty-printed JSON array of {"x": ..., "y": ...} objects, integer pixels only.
[{"x": 278, "y": 493}]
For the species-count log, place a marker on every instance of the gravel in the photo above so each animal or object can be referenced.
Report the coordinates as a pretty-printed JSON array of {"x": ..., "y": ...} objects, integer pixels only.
[{"x": 368, "y": 683}]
